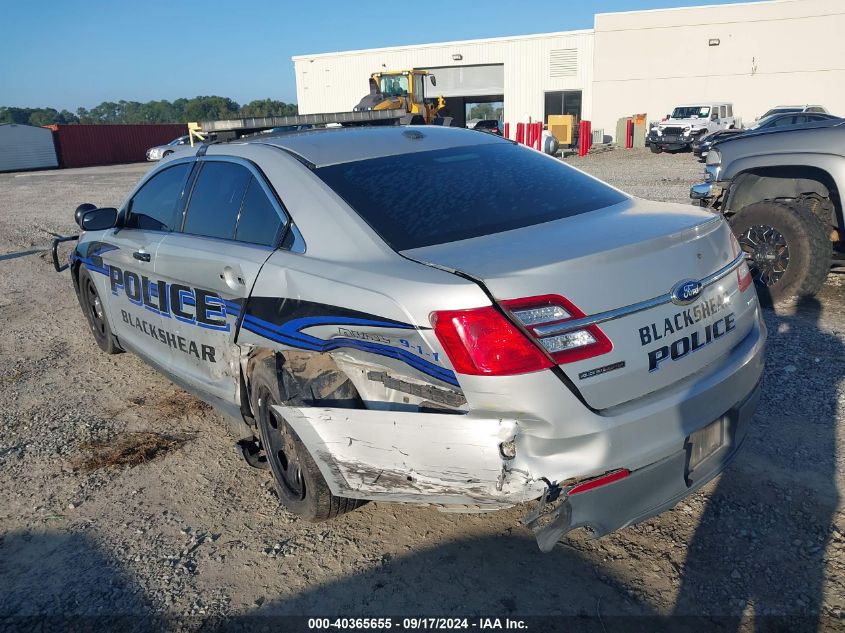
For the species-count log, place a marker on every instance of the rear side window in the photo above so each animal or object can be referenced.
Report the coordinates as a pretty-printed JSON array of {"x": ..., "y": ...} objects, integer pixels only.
[
  {"x": 259, "y": 223},
  {"x": 216, "y": 200},
  {"x": 440, "y": 196},
  {"x": 153, "y": 208}
]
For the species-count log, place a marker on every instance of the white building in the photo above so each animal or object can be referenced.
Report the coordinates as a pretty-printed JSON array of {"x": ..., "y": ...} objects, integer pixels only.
[
  {"x": 755, "y": 54},
  {"x": 26, "y": 147}
]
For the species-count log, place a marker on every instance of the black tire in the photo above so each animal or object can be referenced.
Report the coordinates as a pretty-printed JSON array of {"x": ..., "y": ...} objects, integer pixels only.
[
  {"x": 299, "y": 484},
  {"x": 166, "y": 154},
  {"x": 95, "y": 313},
  {"x": 788, "y": 249},
  {"x": 821, "y": 207},
  {"x": 655, "y": 149}
]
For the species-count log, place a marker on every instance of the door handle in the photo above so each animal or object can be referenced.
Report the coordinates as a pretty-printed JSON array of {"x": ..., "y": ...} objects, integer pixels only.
[
  {"x": 232, "y": 279},
  {"x": 141, "y": 256}
]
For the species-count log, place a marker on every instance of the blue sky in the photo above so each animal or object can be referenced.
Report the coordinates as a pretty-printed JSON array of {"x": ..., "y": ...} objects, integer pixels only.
[{"x": 70, "y": 54}]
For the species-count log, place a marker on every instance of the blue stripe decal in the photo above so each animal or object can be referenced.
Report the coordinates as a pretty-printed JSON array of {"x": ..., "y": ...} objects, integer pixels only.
[
  {"x": 104, "y": 249},
  {"x": 90, "y": 265},
  {"x": 290, "y": 334}
]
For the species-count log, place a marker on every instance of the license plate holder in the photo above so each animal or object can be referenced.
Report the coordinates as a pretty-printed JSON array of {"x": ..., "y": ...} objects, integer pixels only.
[{"x": 703, "y": 444}]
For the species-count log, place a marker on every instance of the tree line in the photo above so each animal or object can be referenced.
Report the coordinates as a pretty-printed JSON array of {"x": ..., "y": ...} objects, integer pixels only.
[{"x": 178, "y": 111}]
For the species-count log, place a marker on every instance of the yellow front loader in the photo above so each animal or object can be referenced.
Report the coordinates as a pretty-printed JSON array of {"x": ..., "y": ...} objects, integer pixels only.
[{"x": 402, "y": 90}]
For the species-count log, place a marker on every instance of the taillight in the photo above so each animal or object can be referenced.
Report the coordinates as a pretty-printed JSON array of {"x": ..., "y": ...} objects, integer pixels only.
[
  {"x": 545, "y": 318},
  {"x": 743, "y": 274},
  {"x": 482, "y": 342}
]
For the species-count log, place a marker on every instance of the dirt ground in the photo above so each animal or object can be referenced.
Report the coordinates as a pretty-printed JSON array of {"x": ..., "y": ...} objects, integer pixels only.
[{"x": 196, "y": 532}]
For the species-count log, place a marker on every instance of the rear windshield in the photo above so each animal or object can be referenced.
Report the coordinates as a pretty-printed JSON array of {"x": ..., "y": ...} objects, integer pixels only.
[{"x": 440, "y": 196}]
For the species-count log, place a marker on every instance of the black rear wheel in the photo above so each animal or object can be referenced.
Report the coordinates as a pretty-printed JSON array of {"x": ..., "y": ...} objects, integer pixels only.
[
  {"x": 299, "y": 484},
  {"x": 95, "y": 313}
]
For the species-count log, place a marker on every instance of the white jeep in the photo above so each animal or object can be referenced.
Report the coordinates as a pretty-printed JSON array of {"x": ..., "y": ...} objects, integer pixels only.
[{"x": 689, "y": 123}]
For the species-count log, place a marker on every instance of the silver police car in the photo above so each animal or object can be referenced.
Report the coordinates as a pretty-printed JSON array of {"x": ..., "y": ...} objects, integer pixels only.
[{"x": 431, "y": 315}]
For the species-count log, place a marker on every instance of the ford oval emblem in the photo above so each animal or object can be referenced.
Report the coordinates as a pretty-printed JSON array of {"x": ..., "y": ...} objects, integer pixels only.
[{"x": 686, "y": 292}]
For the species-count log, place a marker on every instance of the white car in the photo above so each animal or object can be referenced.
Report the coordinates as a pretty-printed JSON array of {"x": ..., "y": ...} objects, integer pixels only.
[{"x": 163, "y": 151}]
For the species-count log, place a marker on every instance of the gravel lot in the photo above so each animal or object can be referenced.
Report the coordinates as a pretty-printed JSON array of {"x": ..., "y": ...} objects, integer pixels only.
[{"x": 196, "y": 532}]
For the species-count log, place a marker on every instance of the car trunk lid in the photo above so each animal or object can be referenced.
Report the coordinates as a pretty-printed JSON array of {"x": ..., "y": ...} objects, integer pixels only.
[{"x": 621, "y": 263}]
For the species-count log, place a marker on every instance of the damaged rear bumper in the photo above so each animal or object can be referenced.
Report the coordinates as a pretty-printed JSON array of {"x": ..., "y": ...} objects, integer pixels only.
[
  {"x": 410, "y": 457},
  {"x": 479, "y": 460},
  {"x": 646, "y": 492}
]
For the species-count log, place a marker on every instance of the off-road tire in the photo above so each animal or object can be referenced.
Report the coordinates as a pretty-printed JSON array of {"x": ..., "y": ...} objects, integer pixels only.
[
  {"x": 308, "y": 496},
  {"x": 655, "y": 149},
  {"x": 821, "y": 207},
  {"x": 95, "y": 313},
  {"x": 807, "y": 241}
]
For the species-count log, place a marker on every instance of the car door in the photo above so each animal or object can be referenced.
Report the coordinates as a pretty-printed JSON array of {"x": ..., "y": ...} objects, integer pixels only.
[
  {"x": 232, "y": 224},
  {"x": 135, "y": 300}
]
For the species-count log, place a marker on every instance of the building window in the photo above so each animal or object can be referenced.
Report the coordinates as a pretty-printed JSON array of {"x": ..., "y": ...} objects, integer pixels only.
[{"x": 563, "y": 102}]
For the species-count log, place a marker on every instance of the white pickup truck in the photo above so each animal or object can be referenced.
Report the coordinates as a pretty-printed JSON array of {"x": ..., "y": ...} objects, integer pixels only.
[{"x": 688, "y": 123}]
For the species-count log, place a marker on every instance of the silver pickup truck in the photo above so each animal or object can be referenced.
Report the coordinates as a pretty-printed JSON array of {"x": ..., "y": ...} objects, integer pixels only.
[{"x": 780, "y": 190}]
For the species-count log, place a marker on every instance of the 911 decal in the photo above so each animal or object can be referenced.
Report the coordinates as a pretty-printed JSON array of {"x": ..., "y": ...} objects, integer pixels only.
[{"x": 286, "y": 320}]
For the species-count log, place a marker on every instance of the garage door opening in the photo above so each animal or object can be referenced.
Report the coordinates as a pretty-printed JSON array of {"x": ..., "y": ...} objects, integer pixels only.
[
  {"x": 478, "y": 111},
  {"x": 466, "y": 88}
]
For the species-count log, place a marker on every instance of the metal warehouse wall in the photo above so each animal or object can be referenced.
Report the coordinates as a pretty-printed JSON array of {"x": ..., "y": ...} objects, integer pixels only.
[
  {"x": 26, "y": 147},
  {"x": 89, "y": 145},
  {"x": 769, "y": 53},
  {"x": 335, "y": 82}
]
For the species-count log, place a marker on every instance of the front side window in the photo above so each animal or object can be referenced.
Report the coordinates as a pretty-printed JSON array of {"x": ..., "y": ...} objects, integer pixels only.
[
  {"x": 394, "y": 85},
  {"x": 216, "y": 200},
  {"x": 154, "y": 206}
]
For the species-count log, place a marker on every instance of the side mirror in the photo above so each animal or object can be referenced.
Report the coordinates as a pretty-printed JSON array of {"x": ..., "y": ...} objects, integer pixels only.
[
  {"x": 81, "y": 210},
  {"x": 433, "y": 80},
  {"x": 99, "y": 219}
]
